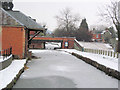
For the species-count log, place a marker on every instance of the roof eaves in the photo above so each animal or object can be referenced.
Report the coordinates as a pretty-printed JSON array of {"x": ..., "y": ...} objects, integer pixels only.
[
  {"x": 12, "y": 25},
  {"x": 37, "y": 29},
  {"x": 34, "y": 22}
]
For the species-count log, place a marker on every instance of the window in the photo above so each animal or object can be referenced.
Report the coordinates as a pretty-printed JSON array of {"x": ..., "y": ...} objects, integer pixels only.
[{"x": 97, "y": 36}]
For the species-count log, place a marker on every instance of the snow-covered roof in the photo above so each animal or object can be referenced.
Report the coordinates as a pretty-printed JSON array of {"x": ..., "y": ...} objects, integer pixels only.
[
  {"x": 103, "y": 32},
  {"x": 95, "y": 45}
]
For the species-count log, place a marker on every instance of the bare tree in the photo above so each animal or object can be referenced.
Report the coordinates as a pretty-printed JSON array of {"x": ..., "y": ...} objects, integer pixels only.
[
  {"x": 67, "y": 21},
  {"x": 111, "y": 13}
]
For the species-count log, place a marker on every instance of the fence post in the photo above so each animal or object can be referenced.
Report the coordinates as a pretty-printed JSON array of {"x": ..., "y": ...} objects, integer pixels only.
[
  {"x": 108, "y": 53},
  {"x": 114, "y": 54},
  {"x": 103, "y": 52},
  {"x": 97, "y": 51},
  {"x": 86, "y": 50},
  {"x": 5, "y": 52},
  {"x": 117, "y": 55},
  {"x": 100, "y": 51},
  {"x": 111, "y": 53}
]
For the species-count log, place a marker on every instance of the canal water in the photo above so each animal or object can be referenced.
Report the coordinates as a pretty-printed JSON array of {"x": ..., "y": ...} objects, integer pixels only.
[{"x": 58, "y": 69}]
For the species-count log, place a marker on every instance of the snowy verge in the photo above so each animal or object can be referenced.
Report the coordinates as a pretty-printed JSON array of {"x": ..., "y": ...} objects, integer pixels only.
[
  {"x": 1, "y": 58},
  {"x": 101, "y": 59},
  {"x": 9, "y": 73}
]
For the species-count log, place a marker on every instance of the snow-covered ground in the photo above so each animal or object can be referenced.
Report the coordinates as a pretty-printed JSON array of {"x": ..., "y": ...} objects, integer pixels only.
[
  {"x": 52, "y": 45},
  {"x": 102, "y": 59},
  {"x": 1, "y": 58},
  {"x": 95, "y": 45},
  {"x": 9, "y": 73}
]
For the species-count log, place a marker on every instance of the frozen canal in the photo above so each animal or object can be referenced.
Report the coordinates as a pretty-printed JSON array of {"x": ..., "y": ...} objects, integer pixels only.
[{"x": 58, "y": 69}]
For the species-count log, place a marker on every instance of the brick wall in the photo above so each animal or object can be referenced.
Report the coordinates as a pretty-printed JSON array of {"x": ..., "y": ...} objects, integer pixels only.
[
  {"x": 15, "y": 37},
  {"x": 96, "y": 36},
  {"x": 69, "y": 40},
  {"x": 37, "y": 46},
  {"x": 70, "y": 43}
]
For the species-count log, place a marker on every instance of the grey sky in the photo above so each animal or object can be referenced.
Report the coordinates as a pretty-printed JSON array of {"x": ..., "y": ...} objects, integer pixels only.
[{"x": 45, "y": 11}]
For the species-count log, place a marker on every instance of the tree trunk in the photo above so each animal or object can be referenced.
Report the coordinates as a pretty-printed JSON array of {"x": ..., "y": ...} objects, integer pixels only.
[
  {"x": 118, "y": 41},
  {"x": 118, "y": 29}
]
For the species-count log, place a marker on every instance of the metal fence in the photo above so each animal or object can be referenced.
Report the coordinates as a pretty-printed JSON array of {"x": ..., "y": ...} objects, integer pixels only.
[{"x": 6, "y": 52}]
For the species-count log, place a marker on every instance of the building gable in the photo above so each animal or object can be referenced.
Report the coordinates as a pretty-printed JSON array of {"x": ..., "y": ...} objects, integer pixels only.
[{"x": 7, "y": 19}]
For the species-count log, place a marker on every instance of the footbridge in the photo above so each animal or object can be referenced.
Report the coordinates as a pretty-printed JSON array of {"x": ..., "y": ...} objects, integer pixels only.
[{"x": 66, "y": 42}]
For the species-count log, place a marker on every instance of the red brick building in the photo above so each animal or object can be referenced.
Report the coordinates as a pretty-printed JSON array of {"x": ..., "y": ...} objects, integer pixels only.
[
  {"x": 97, "y": 37},
  {"x": 15, "y": 30}
]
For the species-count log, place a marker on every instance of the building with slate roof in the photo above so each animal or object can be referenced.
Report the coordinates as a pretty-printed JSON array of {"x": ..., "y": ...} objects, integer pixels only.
[{"x": 15, "y": 30}]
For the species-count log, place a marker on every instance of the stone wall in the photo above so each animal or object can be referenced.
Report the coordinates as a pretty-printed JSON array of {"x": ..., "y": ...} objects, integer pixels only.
[{"x": 5, "y": 63}]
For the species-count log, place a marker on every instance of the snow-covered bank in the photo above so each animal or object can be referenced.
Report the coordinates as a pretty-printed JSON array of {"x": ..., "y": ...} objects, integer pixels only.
[
  {"x": 8, "y": 74},
  {"x": 6, "y": 58},
  {"x": 1, "y": 58},
  {"x": 101, "y": 59}
]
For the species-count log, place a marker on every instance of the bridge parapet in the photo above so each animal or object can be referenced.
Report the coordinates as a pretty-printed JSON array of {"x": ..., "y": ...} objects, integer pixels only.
[{"x": 37, "y": 41}]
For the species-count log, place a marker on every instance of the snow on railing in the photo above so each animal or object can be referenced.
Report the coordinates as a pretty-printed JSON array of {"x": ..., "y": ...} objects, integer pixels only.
[
  {"x": 103, "y": 52},
  {"x": 5, "y": 53},
  {"x": 110, "y": 53}
]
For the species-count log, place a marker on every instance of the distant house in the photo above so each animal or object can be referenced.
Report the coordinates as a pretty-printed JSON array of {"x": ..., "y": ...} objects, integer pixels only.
[
  {"x": 106, "y": 36},
  {"x": 97, "y": 36},
  {"x": 15, "y": 30}
]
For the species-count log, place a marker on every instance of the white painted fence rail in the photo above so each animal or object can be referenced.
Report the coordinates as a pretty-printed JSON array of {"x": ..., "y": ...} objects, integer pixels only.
[{"x": 102, "y": 52}]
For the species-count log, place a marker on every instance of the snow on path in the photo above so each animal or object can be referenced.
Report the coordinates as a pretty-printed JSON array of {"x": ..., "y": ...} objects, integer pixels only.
[
  {"x": 9, "y": 73},
  {"x": 101, "y": 59}
]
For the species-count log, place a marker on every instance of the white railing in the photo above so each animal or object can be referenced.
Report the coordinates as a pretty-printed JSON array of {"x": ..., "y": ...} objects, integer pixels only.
[{"x": 102, "y": 52}]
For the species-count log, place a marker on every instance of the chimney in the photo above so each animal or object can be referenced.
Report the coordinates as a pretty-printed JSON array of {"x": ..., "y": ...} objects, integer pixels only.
[{"x": 6, "y": 4}]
